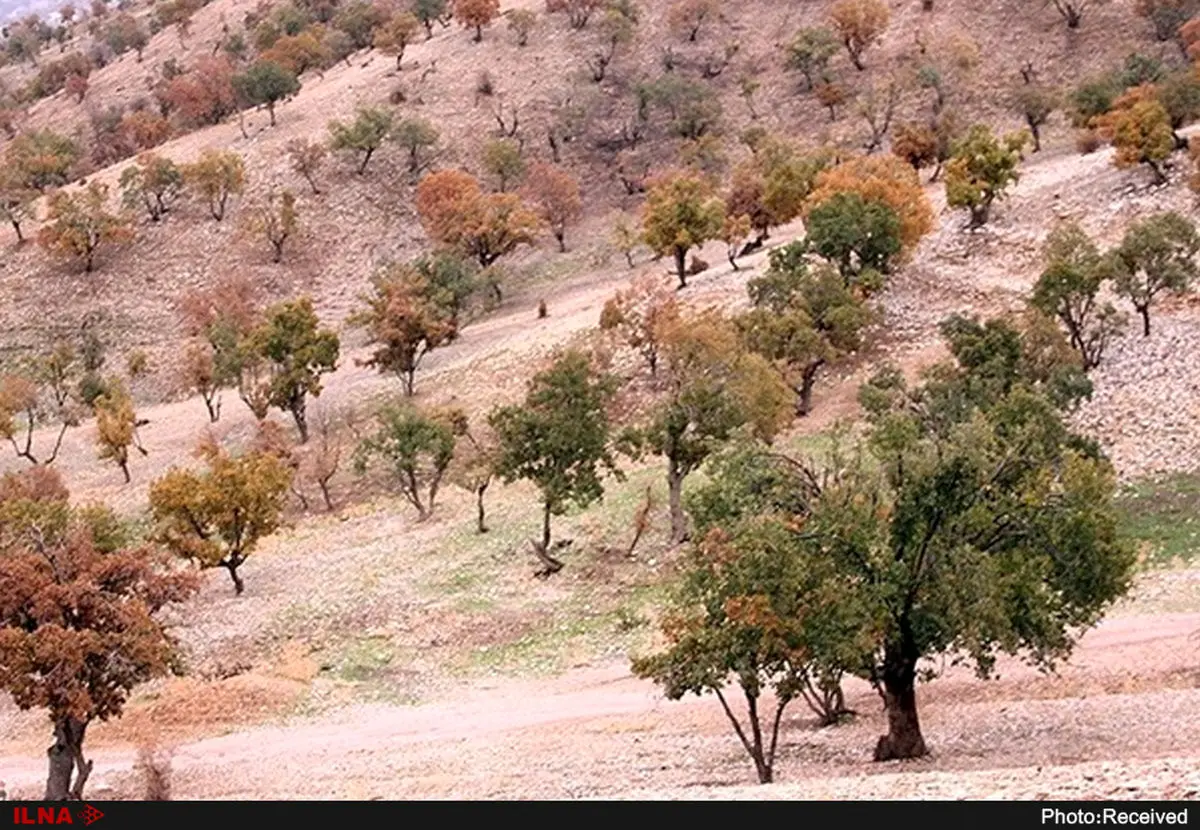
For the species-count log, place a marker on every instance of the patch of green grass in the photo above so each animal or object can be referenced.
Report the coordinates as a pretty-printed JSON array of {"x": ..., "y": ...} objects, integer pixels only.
[
  {"x": 363, "y": 659},
  {"x": 1163, "y": 517}
]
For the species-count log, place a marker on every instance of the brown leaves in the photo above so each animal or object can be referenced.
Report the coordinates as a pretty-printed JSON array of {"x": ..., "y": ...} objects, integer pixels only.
[{"x": 76, "y": 631}]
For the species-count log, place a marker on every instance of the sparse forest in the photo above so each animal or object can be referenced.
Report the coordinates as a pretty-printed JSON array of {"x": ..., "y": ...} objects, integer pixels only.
[{"x": 789, "y": 356}]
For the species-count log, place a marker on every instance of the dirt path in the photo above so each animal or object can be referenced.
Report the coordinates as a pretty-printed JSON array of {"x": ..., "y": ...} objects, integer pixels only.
[{"x": 614, "y": 732}]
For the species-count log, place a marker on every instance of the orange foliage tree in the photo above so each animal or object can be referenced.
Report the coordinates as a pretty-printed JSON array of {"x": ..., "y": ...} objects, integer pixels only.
[
  {"x": 455, "y": 212},
  {"x": 883, "y": 178},
  {"x": 859, "y": 23},
  {"x": 475, "y": 14},
  {"x": 556, "y": 194},
  {"x": 78, "y": 630},
  {"x": 205, "y": 95},
  {"x": 79, "y": 224}
]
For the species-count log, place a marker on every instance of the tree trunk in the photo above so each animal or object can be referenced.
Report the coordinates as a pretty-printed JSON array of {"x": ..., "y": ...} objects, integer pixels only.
[
  {"x": 362, "y": 168},
  {"x": 300, "y": 416},
  {"x": 323, "y": 483},
  {"x": 807, "y": 380},
  {"x": 856, "y": 59},
  {"x": 271, "y": 112},
  {"x": 1144, "y": 311},
  {"x": 903, "y": 739},
  {"x": 679, "y": 528},
  {"x": 681, "y": 265},
  {"x": 1036, "y": 132},
  {"x": 546, "y": 527},
  {"x": 478, "y": 33},
  {"x": 407, "y": 380},
  {"x": 17, "y": 227},
  {"x": 124, "y": 465},
  {"x": 66, "y": 759},
  {"x": 480, "y": 513},
  {"x": 238, "y": 585},
  {"x": 561, "y": 236},
  {"x": 980, "y": 213}
]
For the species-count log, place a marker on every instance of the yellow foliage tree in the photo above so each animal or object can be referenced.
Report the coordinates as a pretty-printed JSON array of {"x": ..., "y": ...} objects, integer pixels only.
[{"x": 218, "y": 517}]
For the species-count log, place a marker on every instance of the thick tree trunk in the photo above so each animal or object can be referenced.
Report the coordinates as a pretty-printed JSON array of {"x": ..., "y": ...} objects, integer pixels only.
[
  {"x": 561, "y": 236},
  {"x": 124, "y": 465},
  {"x": 980, "y": 213},
  {"x": 804, "y": 393},
  {"x": 546, "y": 527},
  {"x": 238, "y": 585},
  {"x": 1144, "y": 312},
  {"x": 271, "y": 112},
  {"x": 681, "y": 265},
  {"x": 17, "y": 227},
  {"x": 903, "y": 739},
  {"x": 1036, "y": 132},
  {"x": 66, "y": 760},
  {"x": 679, "y": 528}
]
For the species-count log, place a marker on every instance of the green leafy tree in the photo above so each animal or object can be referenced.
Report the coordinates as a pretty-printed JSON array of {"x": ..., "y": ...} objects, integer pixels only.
[
  {"x": 1069, "y": 288},
  {"x": 861, "y": 237},
  {"x": 362, "y": 136},
  {"x": 265, "y": 84},
  {"x": 802, "y": 320},
  {"x": 558, "y": 439},
  {"x": 707, "y": 387},
  {"x": 757, "y": 606},
  {"x": 682, "y": 211},
  {"x": 810, "y": 52},
  {"x": 218, "y": 517},
  {"x": 418, "y": 137},
  {"x": 415, "y": 448},
  {"x": 503, "y": 159},
  {"x": 1156, "y": 255},
  {"x": 982, "y": 168},
  {"x": 429, "y": 12},
  {"x": 297, "y": 352},
  {"x": 153, "y": 183}
]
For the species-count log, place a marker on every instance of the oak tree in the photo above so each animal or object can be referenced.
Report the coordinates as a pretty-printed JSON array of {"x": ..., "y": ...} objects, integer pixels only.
[
  {"x": 307, "y": 157},
  {"x": 415, "y": 449},
  {"x": 265, "y": 84},
  {"x": 362, "y": 136},
  {"x": 859, "y": 23},
  {"x": 556, "y": 195},
  {"x": 475, "y": 14},
  {"x": 1157, "y": 255},
  {"x": 406, "y": 316},
  {"x": 214, "y": 177},
  {"x": 297, "y": 352},
  {"x": 79, "y": 224},
  {"x": 153, "y": 183},
  {"x": 78, "y": 631},
  {"x": 558, "y": 439},
  {"x": 1068, "y": 290},
  {"x": 217, "y": 517},
  {"x": 802, "y": 320},
  {"x": 982, "y": 169},
  {"x": 682, "y": 212}
]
